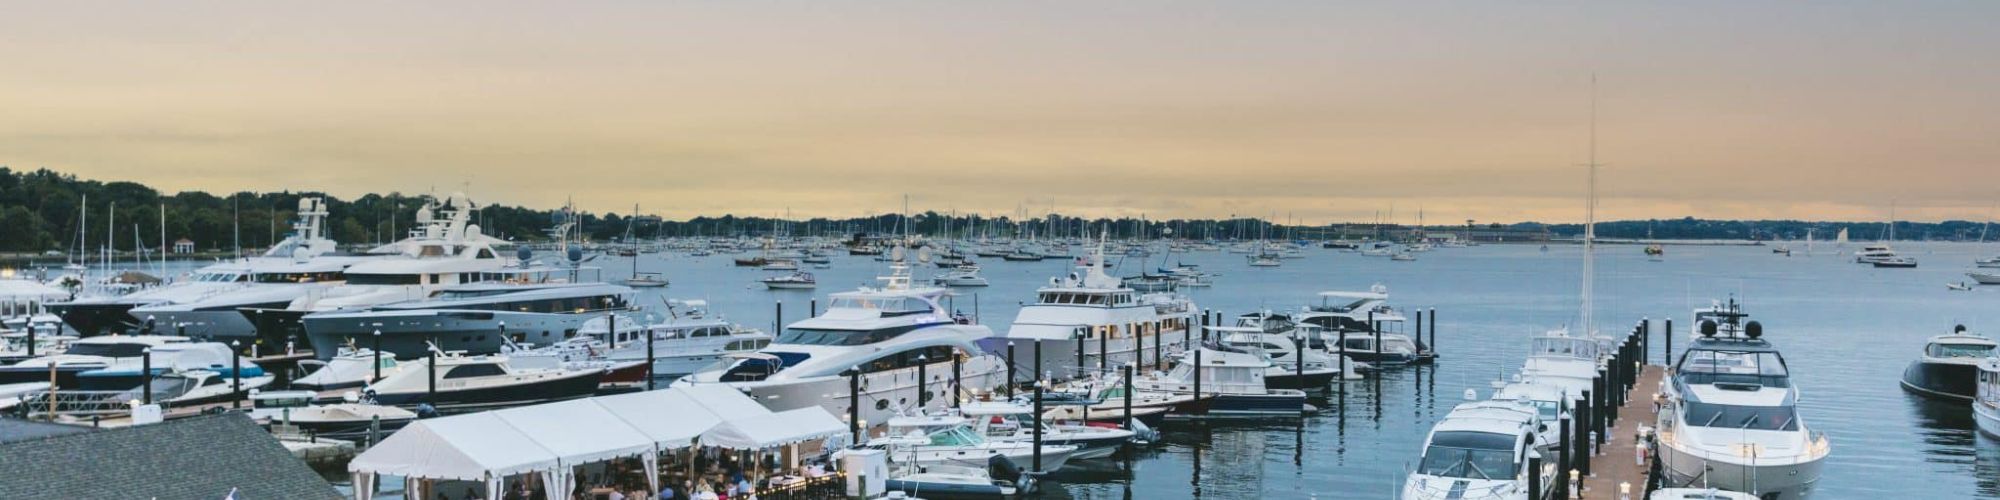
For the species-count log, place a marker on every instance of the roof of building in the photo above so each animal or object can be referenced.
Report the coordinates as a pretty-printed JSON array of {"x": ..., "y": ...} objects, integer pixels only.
[
  {"x": 14, "y": 430},
  {"x": 202, "y": 457}
]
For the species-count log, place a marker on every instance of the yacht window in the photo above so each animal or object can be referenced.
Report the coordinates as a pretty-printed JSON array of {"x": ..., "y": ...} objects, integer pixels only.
[
  {"x": 430, "y": 251},
  {"x": 1709, "y": 366},
  {"x": 955, "y": 436},
  {"x": 478, "y": 370},
  {"x": 485, "y": 253},
  {"x": 107, "y": 350},
  {"x": 1960, "y": 351},
  {"x": 1755, "y": 418},
  {"x": 383, "y": 279},
  {"x": 1470, "y": 455},
  {"x": 818, "y": 336}
]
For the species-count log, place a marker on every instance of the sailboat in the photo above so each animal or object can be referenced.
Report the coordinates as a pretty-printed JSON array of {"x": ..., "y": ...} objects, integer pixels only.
[{"x": 1989, "y": 262}]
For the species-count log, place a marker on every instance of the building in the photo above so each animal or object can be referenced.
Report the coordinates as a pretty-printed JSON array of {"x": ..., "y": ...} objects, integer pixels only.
[
  {"x": 184, "y": 246},
  {"x": 205, "y": 457}
]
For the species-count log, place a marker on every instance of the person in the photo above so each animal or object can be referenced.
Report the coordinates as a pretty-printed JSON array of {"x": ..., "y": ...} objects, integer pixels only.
[
  {"x": 666, "y": 492},
  {"x": 614, "y": 495}
]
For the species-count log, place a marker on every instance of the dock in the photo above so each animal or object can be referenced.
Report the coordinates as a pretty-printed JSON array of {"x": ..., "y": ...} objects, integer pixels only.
[{"x": 1618, "y": 463}]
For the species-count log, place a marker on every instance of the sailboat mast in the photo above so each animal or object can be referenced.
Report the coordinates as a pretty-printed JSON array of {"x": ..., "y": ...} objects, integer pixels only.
[{"x": 1590, "y": 217}]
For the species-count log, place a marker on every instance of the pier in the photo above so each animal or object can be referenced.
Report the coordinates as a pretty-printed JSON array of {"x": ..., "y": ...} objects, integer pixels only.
[{"x": 1616, "y": 462}]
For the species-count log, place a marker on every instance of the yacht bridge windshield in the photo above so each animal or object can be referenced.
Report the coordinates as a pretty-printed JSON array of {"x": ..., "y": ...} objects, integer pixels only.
[
  {"x": 1470, "y": 455},
  {"x": 833, "y": 337},
  {"x": 1750, "y": 366},
  {"x": 1975, "y": 351},
  {"x": 1564, "y": 346},
  {"x": 888, "y": 305}
]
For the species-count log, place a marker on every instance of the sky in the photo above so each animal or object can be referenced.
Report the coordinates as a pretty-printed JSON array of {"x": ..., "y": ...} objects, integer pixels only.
[{"x": 1307, "y": 111}]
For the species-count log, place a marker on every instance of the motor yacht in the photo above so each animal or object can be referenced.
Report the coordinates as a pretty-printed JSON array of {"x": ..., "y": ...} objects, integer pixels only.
[
  {"x": 1949, "y": 366},
  {"x": 1896, "y": 262},
  {"x": 1989, "y": 262},
  {"x": 964, "y": 275},
  {"x": 461, "y": 381},
  {"x": 1093, "y": 322},
  {"x": 199, "y": 386},
  {"x": 305, "y": 257},
  {"x": 1730, "y": 418},
  {"x": 350, "y": 367},
  {"x": 887, "y": 335},
  {"x": 1480, "y": 451},
  {"x": 1007, "y": 421},
  {"x": 1985, "y": 278},
  {"x": 350, "y": 418},
  {"x": 473, "y": 318},
  {"x": 115, "y": 353},
  {"x": 1000, "y": 478},
  {"x": 1551, "y": 403},
  {"x": 686, "y": 339},
  {"x": 1101, "y": 400},
  {"x": 1986, "y": 404},
  {"x": 797, "y": 280},
  {"x": 1234, "y": 379},
  {"x": 1283, "y": 353},
  {"x": 927, "y": 440},
  {"x": 1871, "y": 254},
  {"x": 1352, "y": 318}
]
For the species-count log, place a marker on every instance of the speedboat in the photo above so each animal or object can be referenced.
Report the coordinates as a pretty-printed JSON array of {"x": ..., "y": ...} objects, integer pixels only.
[
  {"x": 1730, "y": 418},
  {"x": 888, "y": 334},
  {"x": 1986, "y": 405},
  {"x": 115, "y": 353},
  {"x": 1095, "y": 316},
  {"x": 1007, "y": 421},
  {"x": 780, "y": 265},
  {"x": 200, "y": 385},
  {"x": 348, "y": 418},
  {"x": 473, "y": 318},
  {"x": 965, "y": 275},
  {"x": 1949, "y": 367},
  {"x": 1480, "y": 451},
  {"x": 1551, "y": 403},
  {"x": 927, "y": 440},
  {"x": 464, "y": 381},
  {"x": 685, "y": 340},
  {"x": 1001, "y": 478},
  {"x": 797, "y": 280},
  {"x": 1234, "y": 379},
  {"x": 350, "y": 367},
  {"x": 1101, "y": 400}
]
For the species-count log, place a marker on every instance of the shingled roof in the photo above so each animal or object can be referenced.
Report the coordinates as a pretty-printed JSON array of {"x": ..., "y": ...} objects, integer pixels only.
[{"x": 193, "y": 458}]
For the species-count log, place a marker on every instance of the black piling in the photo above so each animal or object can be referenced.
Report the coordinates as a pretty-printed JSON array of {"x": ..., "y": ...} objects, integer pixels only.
[
  {"x": 611, "y": 330},
  {"x": 378, "y": 357},
  {"x": 1081, "y": 338},
  {"x": 1564, "y": 458},
  {"x": 778, "y": 317},
  {"x": 1379, "y": 352},
  {"x": 923, "y": 384},
  {"x": 650, "y": 369},
  {"x": 1535, "y": 477},
  {"x": 145, "y": 372},
  {"x": 1667, "y": 331},
  {"x": 1128, "y": 397},
  {"x": 854, "y": 405},
  {"x": 957, "y": 378},
  {"x": 31, "y": 340},
  {"x": 1580, "y": 454},
  {"x": 1434, "y": 330},
  {"x": 431, "y": 376},
  {"x": 1156, "y": 348},
  {"x": 1104, "y": 351},
  {"x": 1037, "y": 465},
  {"x": 1197, "y": 375},
  {"x": 1010, "y": 369},
  {"x": 235, "y": 374}
]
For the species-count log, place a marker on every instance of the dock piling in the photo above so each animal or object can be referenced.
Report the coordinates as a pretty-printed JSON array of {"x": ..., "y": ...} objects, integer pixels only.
[
  {"x": 145, "y": 372},
  {"x": 1010, "y": 369},
  {"x": 431, "y": 375},
  {"x": 651, "y": 371},
  {"x": 378, "y": 353},
  {"x": 235, "y": 374},
  {"x": 923, "y": 383},
  {"x": 1564, "y": 457}
]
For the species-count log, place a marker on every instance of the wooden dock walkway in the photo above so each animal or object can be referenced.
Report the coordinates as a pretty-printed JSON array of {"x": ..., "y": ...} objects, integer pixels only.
[{"x": 1619, "y": 463}]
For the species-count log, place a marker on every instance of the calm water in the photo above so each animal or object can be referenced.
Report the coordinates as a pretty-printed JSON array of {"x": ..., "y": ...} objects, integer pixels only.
[{"x": 1846, "y": 329}]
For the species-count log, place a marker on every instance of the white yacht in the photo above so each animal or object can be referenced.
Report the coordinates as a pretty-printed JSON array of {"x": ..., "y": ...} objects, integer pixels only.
[
  {"x": 106, "y": 353},
  {"x": 685, "y": 340},
  {"x": 1282, "y": 350},
  {"x": 962, "y": 276},
  {"x": 472, "y": 317},
  {"x": 1879, "y": 252},
  {"x": 305, "y": 256},
  {"x": 350, "y": 367},
  {"x": 1986, "y": 405},
  {"x": 927, "y": 440},
  {"x": 885, "y": 332},
  {"x": 1551, "y": 402},
  {"x": 1344, "y": 317},
  {"x": 796, "y": 280},
  {"x": 1731, "y": 415},
  {"x": 348, "y": 418},
  {"x": 1234, "y": 379},
  {"x": 1949, "y": 366},
  {"x": 445, "y": 249},
  {"x": 1096, "y": 315},
  {"x": 1006, "y": 421},
  {"x": 1480, "y": 451},
  {"x": 464, "y": 381}
]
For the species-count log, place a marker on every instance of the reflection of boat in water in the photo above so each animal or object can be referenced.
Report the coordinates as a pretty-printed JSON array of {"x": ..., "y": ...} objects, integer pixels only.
[{"x": 1949, "y": 367}]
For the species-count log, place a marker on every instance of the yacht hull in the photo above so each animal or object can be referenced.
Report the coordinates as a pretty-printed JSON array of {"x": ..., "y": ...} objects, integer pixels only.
[
  {"x": 1786, "y": 481},
  {"x": 215, "y": 323},
  {"x": 575, "y": 385},
  {"x": 1251, "y": 405},
  {"x": 475, "y": 332},
  {"x": 1948, "y": 381},
  {"x": 1060, "y": 356},
  {"x": 1988, "y": 418},
  {"x": 96, "y": 318},
  {"x": 1312, "y": 379},
  {"x": 882, "y": 393},
  {"x": 65, "y": 376}
]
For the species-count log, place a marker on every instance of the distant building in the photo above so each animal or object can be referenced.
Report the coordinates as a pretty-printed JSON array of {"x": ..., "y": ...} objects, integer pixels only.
[
  {"x": 184, "y": 246},
  {"x": 205, "y": 457}
]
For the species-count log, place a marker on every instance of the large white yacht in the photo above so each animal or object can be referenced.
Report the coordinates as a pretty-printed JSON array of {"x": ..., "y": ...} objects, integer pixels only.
[
  {"x": 445, "y": 249},
  {"x": 1480, "y": 451},
  {"x": 304, "y": 260},
  {"x": 1095, "y": 314},
  {"x": 472, "y": 318},
  {"x": 116, "y": 353},
  {"x": 685, "y": 340},
  {"x": 887, "y": 333},
  {"x": 1344, "y": 317},
  {"x": 1731, "y": 415}
]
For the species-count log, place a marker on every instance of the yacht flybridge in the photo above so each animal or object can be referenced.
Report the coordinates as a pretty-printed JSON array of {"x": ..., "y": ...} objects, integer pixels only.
[
  {"x": 204, "y": 303},
  {"x": 1731, "y": 415},
  {"x": 1096, "y": 315},
  {"x": 890, "y": 334}
]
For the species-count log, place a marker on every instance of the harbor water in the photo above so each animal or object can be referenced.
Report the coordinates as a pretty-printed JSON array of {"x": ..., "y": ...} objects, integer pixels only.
[{"x": 1846, "y": 330}]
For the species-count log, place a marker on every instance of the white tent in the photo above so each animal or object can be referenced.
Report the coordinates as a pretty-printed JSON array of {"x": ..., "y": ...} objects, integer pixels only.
[
  {"x": 579, "y": 431},
  {"x": 473, "y": 447},
  {"x": 724, "y": 401},
  {"x": 776, "y": 429}
]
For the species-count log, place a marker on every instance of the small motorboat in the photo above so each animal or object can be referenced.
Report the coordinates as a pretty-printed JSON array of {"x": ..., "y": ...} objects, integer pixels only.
[
  {"x": 1000, "y": 479},
  {"x": 1403, "y": 256},
  {"x": 781, "y": 265},
  {"x": 1959, "y": 286},
  {"x": 1008, "y": 421},
  {"x": 930, "y": 440},
  {"x": 350, "y": 367},
  {"x": 793, "y": 281},
  {"x": 646, "y": 280},
  {"x": 1698, "y": 494},
  {"x": 199, "y": 386},
  {"x": 1948, "y": 368},
  {"x": 1896, "y": 262},
  {"x": 350, "y": 417},
  {"x": 1991, "y": 262},
  {"x": 817, "y": 259},
  {"x": 966, "y": 275}
]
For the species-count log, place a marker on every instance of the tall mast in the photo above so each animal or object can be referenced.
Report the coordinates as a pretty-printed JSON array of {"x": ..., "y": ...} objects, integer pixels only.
[{"x": 1590, "y": 218}]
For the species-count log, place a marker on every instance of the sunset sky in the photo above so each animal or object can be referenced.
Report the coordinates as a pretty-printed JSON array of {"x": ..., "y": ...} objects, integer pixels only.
[{"x": 1322, "y": 110}]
